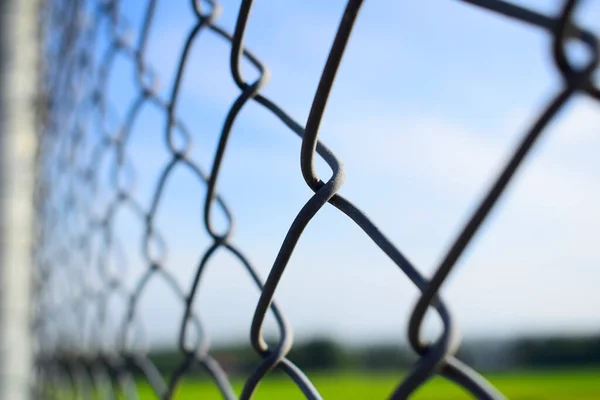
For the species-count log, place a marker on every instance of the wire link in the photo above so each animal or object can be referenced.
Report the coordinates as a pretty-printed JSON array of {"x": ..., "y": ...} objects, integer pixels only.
[{"x": 78, "y": 354}]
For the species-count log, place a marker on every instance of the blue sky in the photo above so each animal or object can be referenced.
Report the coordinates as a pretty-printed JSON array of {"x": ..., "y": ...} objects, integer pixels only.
[{"x": 429, "y": 101}]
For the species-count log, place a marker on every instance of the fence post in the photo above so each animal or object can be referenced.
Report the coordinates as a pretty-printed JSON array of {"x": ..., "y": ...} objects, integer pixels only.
[{"x": 18, "y": 84}]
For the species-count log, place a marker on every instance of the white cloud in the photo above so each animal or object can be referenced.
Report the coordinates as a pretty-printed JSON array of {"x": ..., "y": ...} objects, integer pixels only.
[
  {"x": 540, "y": 243},
  {"x": 456, "y": 160}
]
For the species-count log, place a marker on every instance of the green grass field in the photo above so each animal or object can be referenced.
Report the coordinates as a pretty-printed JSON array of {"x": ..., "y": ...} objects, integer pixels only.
[{"x": 577, "y": 385}]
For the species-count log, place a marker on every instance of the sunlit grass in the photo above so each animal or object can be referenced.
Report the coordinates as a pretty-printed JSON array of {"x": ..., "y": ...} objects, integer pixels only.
[{"x": 527, "y": 385}]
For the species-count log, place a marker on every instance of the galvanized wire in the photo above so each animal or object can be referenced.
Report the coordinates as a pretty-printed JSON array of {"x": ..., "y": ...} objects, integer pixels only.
[{"x": 78, "y": 354}]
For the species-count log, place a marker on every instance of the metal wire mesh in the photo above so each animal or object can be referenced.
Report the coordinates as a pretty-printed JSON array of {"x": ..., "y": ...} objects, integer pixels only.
[{"x": 78, "y": 352}]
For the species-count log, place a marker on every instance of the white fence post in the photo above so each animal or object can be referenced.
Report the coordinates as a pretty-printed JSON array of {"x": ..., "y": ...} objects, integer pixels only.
[{"x": 19, "y": 52}]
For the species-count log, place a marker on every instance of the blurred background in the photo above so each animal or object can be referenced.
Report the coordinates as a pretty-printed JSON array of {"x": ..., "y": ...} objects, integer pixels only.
[{"x": 430, "y": 100}]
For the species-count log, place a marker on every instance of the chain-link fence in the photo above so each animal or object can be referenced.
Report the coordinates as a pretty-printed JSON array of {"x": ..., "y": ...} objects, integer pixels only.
[{"x": 81, "y": 350}]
